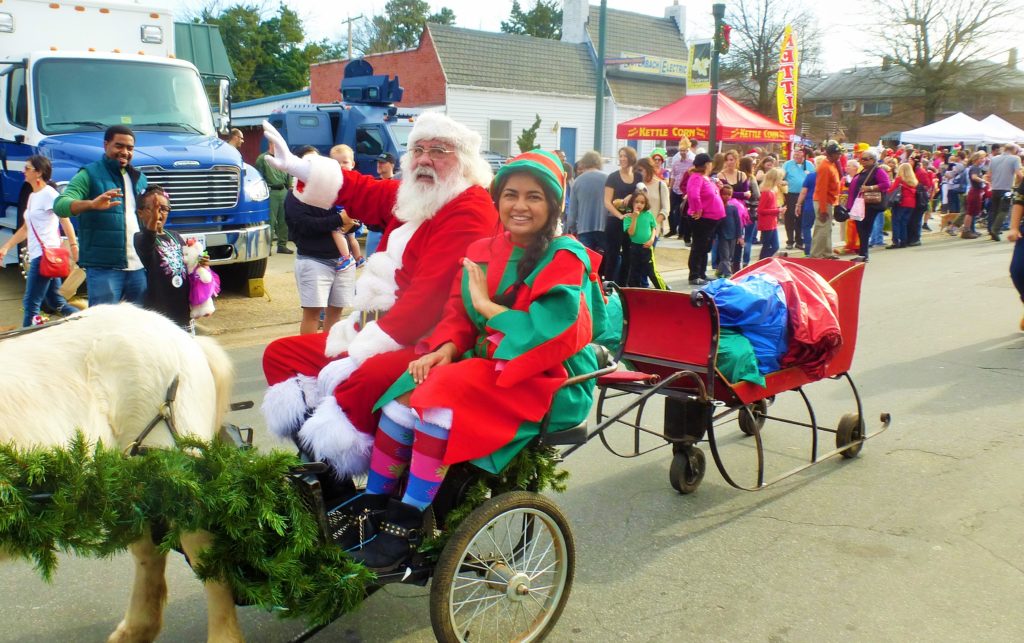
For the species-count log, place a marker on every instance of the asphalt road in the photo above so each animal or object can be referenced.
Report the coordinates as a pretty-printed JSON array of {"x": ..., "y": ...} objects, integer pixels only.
[{"x": 917, "y": 539}]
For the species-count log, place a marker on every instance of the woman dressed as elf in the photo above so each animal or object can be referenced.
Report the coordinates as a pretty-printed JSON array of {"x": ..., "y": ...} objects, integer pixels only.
[{"x": 516, "y": 326}]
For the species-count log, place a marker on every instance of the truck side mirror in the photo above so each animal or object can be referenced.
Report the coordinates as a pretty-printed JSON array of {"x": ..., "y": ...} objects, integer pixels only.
[{"x": 223, "y": 106}]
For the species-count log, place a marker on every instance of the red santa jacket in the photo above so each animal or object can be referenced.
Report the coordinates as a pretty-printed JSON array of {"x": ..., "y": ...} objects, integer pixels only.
[{"x": 433, "y": 254}]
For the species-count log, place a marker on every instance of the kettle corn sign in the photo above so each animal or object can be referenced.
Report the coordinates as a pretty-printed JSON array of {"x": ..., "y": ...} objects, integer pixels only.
[{"x": 786, "y": 89}]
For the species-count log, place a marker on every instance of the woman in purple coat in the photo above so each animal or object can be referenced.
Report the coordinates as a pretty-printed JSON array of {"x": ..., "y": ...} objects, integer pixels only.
[{"x": 870, "y": 175}]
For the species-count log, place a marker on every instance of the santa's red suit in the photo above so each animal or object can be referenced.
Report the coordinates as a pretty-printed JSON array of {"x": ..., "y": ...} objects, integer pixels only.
[{"x": 338, "y": 377}]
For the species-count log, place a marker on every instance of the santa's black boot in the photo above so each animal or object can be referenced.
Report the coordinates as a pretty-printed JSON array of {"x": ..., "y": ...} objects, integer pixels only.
[{"x": 401, "y": 529}]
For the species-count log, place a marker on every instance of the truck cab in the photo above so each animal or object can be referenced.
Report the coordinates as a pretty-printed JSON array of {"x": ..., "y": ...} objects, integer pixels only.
[
  {"x": 366, "y": 119},
  {"x": 59, "y": 101}
]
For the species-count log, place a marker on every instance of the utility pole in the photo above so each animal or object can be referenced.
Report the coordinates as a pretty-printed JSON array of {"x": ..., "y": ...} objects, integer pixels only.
[
  {"x": 599, "y": 106},
  {"x": 718, "y": 11},
  {"x": 349, "y": 22}
]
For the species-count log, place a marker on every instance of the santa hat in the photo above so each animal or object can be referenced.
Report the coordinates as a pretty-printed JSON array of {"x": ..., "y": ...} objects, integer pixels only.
[
  {"x": 545, "y": 166},
  {"x": 435, "y": 125}
]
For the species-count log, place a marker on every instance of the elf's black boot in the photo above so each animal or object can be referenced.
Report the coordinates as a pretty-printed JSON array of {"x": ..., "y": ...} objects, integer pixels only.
[
  {"x": 354, "y": 522},
  {"x": 401, "y": 529}
]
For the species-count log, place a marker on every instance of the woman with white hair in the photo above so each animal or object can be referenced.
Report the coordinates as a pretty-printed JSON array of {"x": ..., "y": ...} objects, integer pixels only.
[{"x": 874, "y": 177}]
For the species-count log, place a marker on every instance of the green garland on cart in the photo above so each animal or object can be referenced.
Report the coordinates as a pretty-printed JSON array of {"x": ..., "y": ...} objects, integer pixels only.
[
  {"x": 92, "y": 500},
  {"x": 267, "y": 543}
]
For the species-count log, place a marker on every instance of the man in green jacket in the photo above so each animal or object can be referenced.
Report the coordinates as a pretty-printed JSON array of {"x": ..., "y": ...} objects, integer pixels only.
[
  {"x": 277, "y": 181},
  {"x": 103, "y": 196}
]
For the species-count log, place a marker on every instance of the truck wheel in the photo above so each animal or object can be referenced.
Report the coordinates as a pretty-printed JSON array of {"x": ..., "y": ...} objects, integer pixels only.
[{"x": 255, "y": 269}]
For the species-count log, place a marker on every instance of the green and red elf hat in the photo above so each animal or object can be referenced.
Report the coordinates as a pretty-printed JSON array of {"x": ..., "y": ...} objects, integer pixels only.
[{"x": 545, "y": 166}]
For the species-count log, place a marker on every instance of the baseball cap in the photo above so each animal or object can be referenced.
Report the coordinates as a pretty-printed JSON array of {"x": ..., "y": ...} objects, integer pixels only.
[
  {"x": 386, "y": 157},
  {"x": 833, "y": 148}
]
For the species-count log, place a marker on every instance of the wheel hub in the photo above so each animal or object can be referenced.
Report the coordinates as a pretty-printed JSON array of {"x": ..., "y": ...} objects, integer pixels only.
[{"x": 518, "y": 588}]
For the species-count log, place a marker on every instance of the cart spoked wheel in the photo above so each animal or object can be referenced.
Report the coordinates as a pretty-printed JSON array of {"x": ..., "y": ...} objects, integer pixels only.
[
  {"x": 687, "y": 469},
  {"x": 850, "y": 429},
  {"x": 506, "y": 572},
  {"x": 752, "y": 417}
]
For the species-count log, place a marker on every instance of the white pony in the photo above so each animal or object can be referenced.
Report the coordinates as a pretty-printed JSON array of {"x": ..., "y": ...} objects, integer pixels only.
[{"x": 106, "y": 372}]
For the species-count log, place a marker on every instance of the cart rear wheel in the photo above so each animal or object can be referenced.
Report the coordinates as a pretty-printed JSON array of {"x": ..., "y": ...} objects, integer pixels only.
[
  {"x": 752, "y": 417},
  {"x": 687, "y": 470},
  {"x": 506, "y": 572},
  {"x": 850, "y": 429}
]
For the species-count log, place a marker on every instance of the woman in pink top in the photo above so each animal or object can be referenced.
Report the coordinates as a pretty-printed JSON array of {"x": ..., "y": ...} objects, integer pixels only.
[{"x": 704, "y": 205}]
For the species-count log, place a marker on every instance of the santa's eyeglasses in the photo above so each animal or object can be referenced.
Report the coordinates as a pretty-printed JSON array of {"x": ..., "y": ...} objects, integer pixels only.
[{"x": 434, "y": 153}]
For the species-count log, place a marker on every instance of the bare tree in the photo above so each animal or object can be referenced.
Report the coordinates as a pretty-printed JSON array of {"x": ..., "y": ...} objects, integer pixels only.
[
  {"x": 942, "y": 45},
  {"x": 753, "y": 58}
]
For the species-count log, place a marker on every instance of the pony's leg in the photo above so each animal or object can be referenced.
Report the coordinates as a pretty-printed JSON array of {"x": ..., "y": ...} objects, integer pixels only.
[
  {"x": 144, "y": 618},
  {"x": 222, "y": 620}
]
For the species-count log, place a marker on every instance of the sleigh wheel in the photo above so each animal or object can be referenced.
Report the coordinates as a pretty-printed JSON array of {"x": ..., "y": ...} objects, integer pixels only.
[
  {"x": 850, "y": 429},
  {"x": 752, "y": 417},
  {"x": 687, "y": 470},
  {"x": 506, "y": 572}
]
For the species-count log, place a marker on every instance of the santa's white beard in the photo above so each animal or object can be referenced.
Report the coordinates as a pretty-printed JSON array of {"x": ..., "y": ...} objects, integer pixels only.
[{"x": 419, "y": 201}]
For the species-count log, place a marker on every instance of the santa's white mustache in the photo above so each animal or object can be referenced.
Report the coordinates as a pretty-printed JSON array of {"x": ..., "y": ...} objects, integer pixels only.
[{"x": 426, "y": 171}]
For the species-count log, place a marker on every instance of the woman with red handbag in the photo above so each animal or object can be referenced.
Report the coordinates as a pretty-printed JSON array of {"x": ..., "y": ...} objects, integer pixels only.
[{"x": 42, "y": 231}]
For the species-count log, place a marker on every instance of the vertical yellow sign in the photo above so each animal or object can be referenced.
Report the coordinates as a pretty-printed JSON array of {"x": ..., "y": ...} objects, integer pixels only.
[
  {"x": 786, "y": 90},
  {"x": 698, "y": 72}
]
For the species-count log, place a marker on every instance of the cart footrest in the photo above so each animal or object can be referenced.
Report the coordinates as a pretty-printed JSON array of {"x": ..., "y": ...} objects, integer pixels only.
[
  {"x": 627, "y": 377},
  {"x": 575, "y": 435}
]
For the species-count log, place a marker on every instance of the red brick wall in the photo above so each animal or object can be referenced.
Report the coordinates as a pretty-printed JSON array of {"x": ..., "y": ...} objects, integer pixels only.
[
  {"x": 906, "y": 114},
  {"x": 418, "y": 70}
]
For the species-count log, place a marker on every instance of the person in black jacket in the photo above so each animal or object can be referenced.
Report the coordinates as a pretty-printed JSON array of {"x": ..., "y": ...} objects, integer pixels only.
[
  {"x": 322, "y": 287},
  {"x": 159, "y": 249}
]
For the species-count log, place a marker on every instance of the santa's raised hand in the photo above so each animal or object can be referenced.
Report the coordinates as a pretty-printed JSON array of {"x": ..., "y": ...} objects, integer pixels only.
[{"x": 282, "y": 158}]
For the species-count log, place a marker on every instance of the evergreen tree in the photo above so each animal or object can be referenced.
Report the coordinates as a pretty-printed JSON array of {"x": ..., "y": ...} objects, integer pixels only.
[{"x": 544, "y": 20}]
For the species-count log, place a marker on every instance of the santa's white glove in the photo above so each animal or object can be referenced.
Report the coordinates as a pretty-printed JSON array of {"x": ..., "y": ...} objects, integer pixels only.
[{"x": 282, "y": 158}]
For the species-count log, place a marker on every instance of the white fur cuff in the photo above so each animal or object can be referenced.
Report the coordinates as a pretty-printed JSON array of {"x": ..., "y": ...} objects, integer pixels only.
[
  {"x": 284, "y": 406},
  {"x": 400, "y": 414},
  {"x": 332, "y": 375},
  {"x": 331, "y": 438},
  {"x": 321, "y": 190},
  {"x": 371, "y": 340},
  {"x": 341, "y": 335},
  {"x": 438, "y": 416}
]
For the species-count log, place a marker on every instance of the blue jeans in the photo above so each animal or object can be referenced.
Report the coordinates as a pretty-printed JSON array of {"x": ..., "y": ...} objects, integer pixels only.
[
  {"x": 1017, "y": 267},
  {"x": 806, "y": 225},
  {"x": 769, "y": 243},
  {"x": 900, "y": 222},
  {"x": 39, "y": 289},
  {"x": 749, "y": 236},
  {"x": 877, "y": 238},
  {"x": 593, "y": 240},
  {"x": 111, "y": 286}
]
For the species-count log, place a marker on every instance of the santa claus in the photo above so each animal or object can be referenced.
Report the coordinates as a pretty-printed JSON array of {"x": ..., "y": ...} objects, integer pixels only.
[{"x": 323, "y": 386}]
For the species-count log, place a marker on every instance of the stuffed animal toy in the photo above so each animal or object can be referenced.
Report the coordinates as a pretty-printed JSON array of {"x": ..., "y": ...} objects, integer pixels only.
[{"x": 204, "y": 284}]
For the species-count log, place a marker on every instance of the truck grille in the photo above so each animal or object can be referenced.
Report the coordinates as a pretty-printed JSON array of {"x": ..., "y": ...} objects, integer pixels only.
[{"x": 197, "y": 189}]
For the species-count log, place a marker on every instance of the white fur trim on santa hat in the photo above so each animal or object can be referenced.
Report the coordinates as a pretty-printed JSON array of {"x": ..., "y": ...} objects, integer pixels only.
[
  {"x": 331, "y": 437},
  {"x": 371, "y": 340},
  {"x": 435, "y": 125},
  {"x": 332, "y": 375},
  {"x": 400, "y": 414},
  {"x": 321, "y": 190},
  {"x": 341, "y": 335},
  {"x": 285, "y": 405}
]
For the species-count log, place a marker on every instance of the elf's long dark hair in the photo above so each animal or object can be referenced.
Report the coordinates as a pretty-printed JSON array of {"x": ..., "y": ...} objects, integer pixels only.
[{"x": 532, "y": 253}]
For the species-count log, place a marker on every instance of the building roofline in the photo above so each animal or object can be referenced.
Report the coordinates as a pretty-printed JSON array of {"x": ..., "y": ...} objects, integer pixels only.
[{"x": 271, "y": 99}]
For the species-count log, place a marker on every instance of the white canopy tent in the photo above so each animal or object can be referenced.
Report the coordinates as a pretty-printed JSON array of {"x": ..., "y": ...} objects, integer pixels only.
[
  {"x": 1001, "y": 130},
  {"x": 958, "y": 128}
]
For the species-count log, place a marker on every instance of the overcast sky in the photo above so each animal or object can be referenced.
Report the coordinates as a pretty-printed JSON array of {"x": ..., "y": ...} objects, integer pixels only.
[{"x": 323, "y": 19}]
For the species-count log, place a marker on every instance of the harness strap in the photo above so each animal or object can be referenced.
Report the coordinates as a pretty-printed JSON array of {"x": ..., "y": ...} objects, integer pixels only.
[{"x": 164, "y": 414}]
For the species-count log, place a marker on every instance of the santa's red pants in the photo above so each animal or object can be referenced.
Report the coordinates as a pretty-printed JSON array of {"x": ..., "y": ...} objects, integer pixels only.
[{"x": 304, "y": 355}]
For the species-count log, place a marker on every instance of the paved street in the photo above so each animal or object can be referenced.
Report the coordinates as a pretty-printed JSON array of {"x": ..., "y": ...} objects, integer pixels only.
[{"x": 917, "y": 539}]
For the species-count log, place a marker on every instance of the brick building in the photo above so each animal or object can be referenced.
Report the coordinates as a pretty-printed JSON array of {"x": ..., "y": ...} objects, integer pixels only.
[{"x": 873, "y": 103}]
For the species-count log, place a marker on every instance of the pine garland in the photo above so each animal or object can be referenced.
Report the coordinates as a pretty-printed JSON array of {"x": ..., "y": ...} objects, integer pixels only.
[
  {"x": 93, "y": 501},
  {"x": 267, "y": 544}
]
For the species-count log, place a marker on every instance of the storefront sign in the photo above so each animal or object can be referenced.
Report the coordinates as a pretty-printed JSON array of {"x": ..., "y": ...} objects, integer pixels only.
[{"x": 654, "y": 66}]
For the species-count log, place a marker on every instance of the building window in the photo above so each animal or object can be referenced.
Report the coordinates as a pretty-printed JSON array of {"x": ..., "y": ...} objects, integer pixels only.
[
  {"x": 876, "y": 108},
  {"x": 849, "y": 105},
  {"x": 955, "y": 104},
  {"x": 1017, "y": 103},
  {"x": 823, "y": 110},
  {"x": 500, "y": 137}
]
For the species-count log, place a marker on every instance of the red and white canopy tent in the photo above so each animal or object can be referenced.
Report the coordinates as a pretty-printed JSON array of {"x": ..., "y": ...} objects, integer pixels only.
[{"x": 690, "y": 116}]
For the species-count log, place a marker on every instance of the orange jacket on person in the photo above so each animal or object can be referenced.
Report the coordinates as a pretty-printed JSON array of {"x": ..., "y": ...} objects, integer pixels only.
[{"x": 826, "y": 187}]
